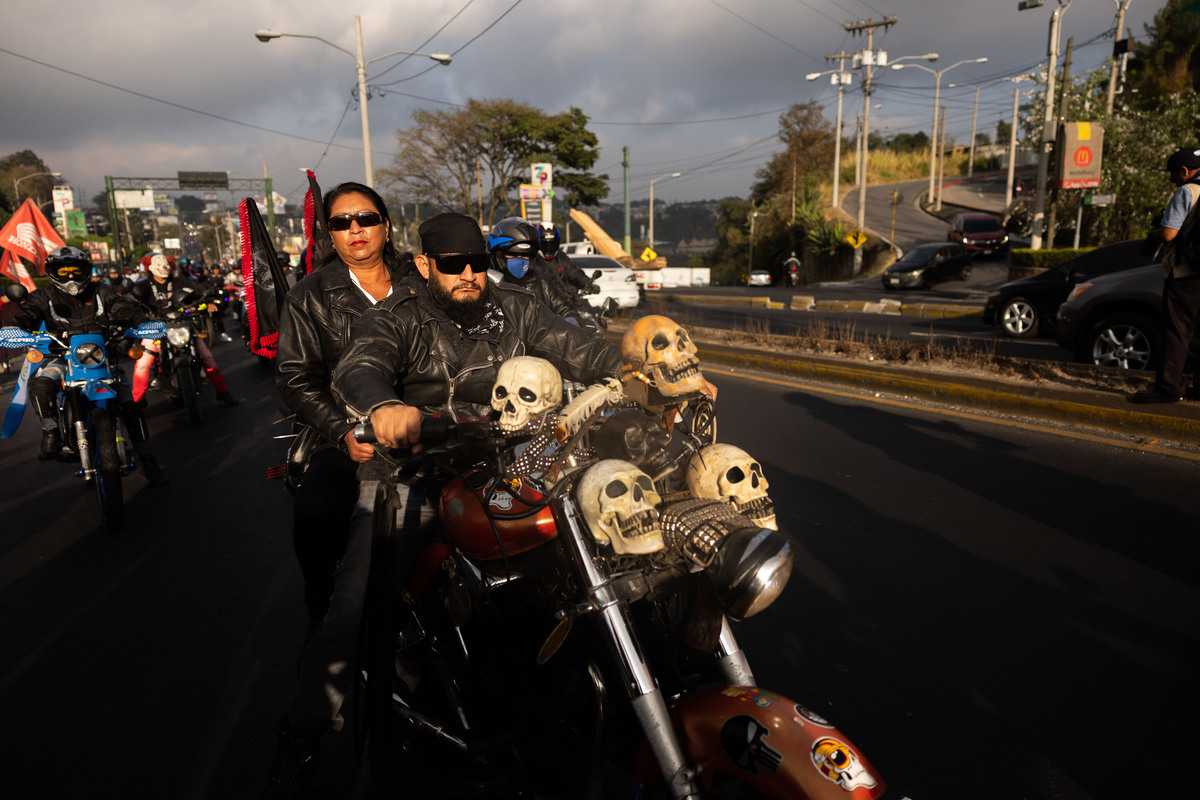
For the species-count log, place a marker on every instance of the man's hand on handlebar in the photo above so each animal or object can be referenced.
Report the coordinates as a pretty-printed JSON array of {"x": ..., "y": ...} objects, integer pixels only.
[{"x": 397, "y": 426}]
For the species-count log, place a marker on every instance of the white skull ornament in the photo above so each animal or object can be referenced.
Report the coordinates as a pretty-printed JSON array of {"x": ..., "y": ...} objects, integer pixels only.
[
  {"x": 526, "y": 388},
  {"x": 728, "y": 473},
  {"x": 661, "y": 350},
  {"x": 619, "y": 502}
]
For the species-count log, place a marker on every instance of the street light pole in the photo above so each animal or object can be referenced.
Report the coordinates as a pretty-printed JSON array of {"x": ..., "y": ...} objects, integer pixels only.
[
  {"x": 1039, "y": 197},
  {"x": 841, "y": 79},
  {"x": 16, "y": 192},
  {"x": 360, "y": 67},
  {"x": 652, "y": 180},
  {"x": 934, "y": 150}
]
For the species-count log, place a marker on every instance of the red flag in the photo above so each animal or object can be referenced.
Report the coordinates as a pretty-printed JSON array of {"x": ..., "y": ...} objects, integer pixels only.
[
  {"x": 14, "y": 268},
  {"x": 263, "y": 280},
  {"x": 28, "y": 235},
  {"x": 319, "y": 246}
]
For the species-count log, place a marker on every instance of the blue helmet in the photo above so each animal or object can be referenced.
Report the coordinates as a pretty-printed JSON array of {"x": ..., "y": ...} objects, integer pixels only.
[{"x": 512, "y": 242}]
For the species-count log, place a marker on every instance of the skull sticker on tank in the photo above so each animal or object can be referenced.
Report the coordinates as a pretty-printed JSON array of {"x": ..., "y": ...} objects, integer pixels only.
[
  {"x": 526, "y": 389},
  {"x": 742, "y": 737},
  {"x": 619, "y": 504},
  {"x": 837, "y": 762}
]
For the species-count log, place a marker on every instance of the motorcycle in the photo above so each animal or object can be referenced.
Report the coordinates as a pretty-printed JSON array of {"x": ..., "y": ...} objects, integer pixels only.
[
  {"x": 180, "y": 372},
  {"x": 89, "y": 420},
  {"x": 576, "y": 625}
]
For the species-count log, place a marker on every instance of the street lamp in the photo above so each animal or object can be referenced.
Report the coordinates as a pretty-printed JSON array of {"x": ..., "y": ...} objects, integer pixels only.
[
  {"x": 841, "y": 79},
  {"x": 652, "y": 180},
  {"x": 16, "y": 195},
  {"x": 360, "y": 65},
  {"x": 937, "y": 86}
]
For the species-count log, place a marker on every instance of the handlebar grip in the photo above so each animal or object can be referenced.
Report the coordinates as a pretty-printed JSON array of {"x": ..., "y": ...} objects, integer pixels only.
[{"x": 364, "y": 432}]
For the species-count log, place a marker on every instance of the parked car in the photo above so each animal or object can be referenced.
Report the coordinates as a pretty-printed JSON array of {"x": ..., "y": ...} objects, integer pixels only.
[
  {"x": 1114, "y": 320},
  {"x": 927, "y": 264},
  {"x": 979, "y": 234},
  {"x": 615, "y": 281},
  {"x": 759, "y": 277},
  {"x": 1028, "y": 306}
]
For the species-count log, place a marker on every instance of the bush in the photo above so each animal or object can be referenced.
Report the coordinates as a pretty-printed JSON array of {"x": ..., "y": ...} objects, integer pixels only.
[{"x": 1038, "y": 260}]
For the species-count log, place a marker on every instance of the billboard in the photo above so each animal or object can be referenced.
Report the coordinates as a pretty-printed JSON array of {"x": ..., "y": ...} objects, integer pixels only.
[
  {"x": 140, "y": 199},
  {"x": 1080, "y": 147}
]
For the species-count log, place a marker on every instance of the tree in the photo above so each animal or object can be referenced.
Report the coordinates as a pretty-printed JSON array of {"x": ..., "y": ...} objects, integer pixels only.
[
  {"x": 1170, "y": 62},
  {"x": 16, "y": 166},
  {"x": 807, "y": 138},
  {"x": 473, "y": 159}
]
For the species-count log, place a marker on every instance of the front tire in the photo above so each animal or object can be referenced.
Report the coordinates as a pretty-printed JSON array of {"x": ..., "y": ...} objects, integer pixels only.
[
  {"x": 1122, "y": 341},
  {"x": 189, "y": 391},
  {"x": 107, "y": 461},
  {"x": 1019, "y": 318}
]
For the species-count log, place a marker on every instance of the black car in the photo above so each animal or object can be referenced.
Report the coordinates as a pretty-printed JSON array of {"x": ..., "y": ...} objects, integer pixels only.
[
  {"x": 927, "y": 264},
  {"x": 1114, "y": 320},
  {"x": 1027, "y": 307},
  {"x": 979, "y": 234}
]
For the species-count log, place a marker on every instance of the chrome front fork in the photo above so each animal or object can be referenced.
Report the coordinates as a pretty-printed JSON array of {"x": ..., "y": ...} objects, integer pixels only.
[
  {"x": 646, "y": 698},
  {"x": 732, "y": 659}
]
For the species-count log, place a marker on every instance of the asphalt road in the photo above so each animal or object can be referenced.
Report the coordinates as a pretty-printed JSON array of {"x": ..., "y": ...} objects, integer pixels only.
[{"x": 988, "y": 610}]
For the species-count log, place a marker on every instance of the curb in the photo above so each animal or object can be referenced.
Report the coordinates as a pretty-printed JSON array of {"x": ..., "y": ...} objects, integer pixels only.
[{"x": 809, "y": 303}]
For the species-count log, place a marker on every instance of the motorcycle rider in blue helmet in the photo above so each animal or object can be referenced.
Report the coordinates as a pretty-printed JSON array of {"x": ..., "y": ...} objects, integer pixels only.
[
  {"x": 72, "y": 303},
  {"x": 513, "y": 244}
]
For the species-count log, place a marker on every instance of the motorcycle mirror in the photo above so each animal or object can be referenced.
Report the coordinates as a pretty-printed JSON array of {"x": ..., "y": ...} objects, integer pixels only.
[
  {"x": 141, "y": 292},
  {"x": 16, "y": 292}
]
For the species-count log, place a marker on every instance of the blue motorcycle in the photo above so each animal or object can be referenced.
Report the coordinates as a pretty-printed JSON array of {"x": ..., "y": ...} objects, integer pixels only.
[{"x": 88, "y": 408}]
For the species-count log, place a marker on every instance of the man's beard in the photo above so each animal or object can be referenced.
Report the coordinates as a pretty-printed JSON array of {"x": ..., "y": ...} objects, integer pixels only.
[{"x": 465, "y": 313}]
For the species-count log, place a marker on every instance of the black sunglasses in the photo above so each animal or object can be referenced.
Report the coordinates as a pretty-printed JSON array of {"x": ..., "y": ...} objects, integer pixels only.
[
  {"x": 455, "y": 264},
  {"x": 365, "y": 219}
]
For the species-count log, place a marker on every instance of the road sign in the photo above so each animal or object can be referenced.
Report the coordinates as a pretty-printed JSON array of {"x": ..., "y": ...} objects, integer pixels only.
[
  {"x": 1079, "y": 165},
  {"x": 856, "y": 238},
  {"x": 648, "y": 255},
  {"x": 1099, "y": 200}
]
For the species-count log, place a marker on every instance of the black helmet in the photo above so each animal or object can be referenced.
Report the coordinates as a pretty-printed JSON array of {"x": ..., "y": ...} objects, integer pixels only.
[
  {"x": 512, "y": 242},
  {"x": 548, "y": 238},
  {"x": 69, "y": 268}
]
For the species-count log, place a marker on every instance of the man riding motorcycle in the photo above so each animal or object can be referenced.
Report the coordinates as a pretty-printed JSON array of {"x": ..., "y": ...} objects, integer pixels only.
[
  {"x": 513, "y": 243},
  {"x": 434, "y": 346},
  {"x": 72, "y": 303},
  {"x": 559, "y": 263},
  {"x": 163, "y": 285}
]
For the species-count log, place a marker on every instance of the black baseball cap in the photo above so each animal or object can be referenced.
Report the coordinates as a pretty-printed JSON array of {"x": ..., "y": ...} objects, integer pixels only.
[
  {"x": 1186, "y": 157},
  {"x": 451, "y": 233}
]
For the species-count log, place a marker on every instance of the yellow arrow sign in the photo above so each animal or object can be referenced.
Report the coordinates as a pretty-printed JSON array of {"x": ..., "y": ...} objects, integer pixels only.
[
  {"x": 648, "y": 255},
  {"x": 856, "y": 238}
]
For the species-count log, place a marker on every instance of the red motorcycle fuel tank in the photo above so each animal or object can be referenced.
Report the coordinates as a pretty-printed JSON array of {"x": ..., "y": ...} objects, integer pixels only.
[
  {"x": 770, "y": 743},
  {"x": 469, "y": 523}
]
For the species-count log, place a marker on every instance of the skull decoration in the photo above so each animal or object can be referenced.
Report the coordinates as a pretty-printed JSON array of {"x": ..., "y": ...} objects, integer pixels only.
[
  {"x": 526, "y": 388},
  {"x": 728, "y": 473},
  {"x": 619, "y": 502},
  {"x": 838, "y": 763},
  {"x": 663, "y": 354}
]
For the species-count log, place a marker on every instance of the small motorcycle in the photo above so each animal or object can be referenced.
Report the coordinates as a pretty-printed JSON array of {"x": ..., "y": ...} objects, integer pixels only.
[
  {"x": 180, "y": 372},
  {"x": 576, "y": 623},
  {"x": 88, "y": 415}
]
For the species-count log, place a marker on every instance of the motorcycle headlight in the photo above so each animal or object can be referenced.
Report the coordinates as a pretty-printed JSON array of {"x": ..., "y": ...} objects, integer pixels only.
[
  {"x": 89, "y": 354},
  {"x": 179, "y": 336},
  {"x": 750, "y": 570}
]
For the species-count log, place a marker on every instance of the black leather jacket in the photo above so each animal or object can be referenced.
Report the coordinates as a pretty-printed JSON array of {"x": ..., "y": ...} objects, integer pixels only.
[
  {"x": 96, "y": 309},
  {"x": 314, "y": 330},
  {"x": 400, "y": 351},
  {"x": 546, "y": 286}
]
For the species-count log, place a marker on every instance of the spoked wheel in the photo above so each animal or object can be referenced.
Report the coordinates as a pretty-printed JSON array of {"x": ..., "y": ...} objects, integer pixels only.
[
  {"x": 189, "y": 391},
  {"x": 107, "y": 461},
  {"x": 1019, "y": 318}
]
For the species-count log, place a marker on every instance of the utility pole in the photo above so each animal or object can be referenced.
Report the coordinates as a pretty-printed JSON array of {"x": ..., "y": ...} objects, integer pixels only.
[
  {"x": 868, "y": 60},
  {"x": 1012, "y": 146},
  {"x": 941, "y": 162},
  {"x": 1051, "y": 224},
  {"x": 1048, "y": 131},
  {"x": 974, "y": 120},
  {"x": 628, "y": 235},
  {"x": 842, "y": 78},
  {"x": 1120, "y": 47}
]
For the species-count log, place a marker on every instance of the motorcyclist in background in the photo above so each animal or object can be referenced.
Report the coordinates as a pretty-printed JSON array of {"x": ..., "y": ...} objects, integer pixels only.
[
  {"x": 557, "y": 261},
  {"x": 513, "y": 244},
  {"x": 163, "y": 285},
  {"x": 72, "y": 303}
]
